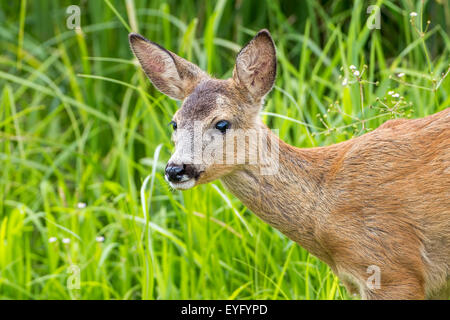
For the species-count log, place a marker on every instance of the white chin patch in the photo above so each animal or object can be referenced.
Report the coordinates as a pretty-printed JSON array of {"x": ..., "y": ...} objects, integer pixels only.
[{"x": 183, "y": 185}]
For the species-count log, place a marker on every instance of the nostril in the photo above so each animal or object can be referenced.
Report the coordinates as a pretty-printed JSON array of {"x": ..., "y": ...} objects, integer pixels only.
[
  {"x": 175, "y": 172},
  {"x": 180, "y": 169}
]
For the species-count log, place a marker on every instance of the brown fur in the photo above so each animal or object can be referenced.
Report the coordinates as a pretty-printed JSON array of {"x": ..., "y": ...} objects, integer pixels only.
[{"x": 381, "y": 199}]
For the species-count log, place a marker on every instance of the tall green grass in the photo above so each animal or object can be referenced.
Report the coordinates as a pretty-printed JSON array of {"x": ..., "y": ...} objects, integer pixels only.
[{"x": 84, "y": 139}]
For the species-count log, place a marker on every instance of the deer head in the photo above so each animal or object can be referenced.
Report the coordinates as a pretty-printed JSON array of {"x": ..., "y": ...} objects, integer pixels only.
[{"x": 212, "y": 110}]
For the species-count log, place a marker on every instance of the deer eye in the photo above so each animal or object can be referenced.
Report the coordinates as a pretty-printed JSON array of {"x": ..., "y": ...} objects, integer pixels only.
[
  {"x": 173, "y": 124},
  {"x": 223, "y": 126}
]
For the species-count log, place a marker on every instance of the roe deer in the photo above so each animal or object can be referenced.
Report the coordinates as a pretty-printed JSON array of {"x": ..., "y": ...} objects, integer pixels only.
[{"x": 380, "y": 200}]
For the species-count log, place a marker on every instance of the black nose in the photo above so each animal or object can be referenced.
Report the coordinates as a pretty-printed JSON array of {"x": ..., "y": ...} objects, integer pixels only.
[{"x": 175, "y": 172}]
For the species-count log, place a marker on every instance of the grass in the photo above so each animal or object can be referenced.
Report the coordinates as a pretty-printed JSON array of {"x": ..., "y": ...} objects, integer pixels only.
[{"x": 84, "y": 140}]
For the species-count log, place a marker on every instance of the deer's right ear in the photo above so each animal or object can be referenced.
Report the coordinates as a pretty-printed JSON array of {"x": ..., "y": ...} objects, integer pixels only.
[
  {"x": 169, "y": 73},
  {"x": 256, "y": 65}
]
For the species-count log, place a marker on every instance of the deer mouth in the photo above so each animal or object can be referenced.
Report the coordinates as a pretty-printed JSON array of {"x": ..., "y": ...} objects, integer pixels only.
[
  {"x": 186, "y": 182},
  {"x": 183, "y": 185}
]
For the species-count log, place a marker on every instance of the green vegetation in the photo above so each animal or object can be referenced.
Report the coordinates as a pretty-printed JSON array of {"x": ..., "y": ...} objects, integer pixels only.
[{"x": 84, "y": 139}]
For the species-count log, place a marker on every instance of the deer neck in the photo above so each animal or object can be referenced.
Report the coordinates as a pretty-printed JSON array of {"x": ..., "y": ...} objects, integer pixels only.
[{"x": 292, "y": 199}]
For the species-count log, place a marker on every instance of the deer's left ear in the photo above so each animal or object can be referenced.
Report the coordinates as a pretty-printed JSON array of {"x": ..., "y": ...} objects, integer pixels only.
[
  {"x": 169, "y": 73},
  {"x": 256, "y": 65}
]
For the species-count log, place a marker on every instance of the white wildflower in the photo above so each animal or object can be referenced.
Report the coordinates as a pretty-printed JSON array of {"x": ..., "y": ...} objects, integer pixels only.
[
  {"x": 396, "y": 95},
  {"x": 401, "y": 74},
  {"x": 391, "y": 93},
  {"x": 99, "y": 239},
  {"x": 52, "y": 239},
  {"x": 345, "y": 82},
  {"x": 352, "y": 67},
  {"x": 66, "y": 240},
  {"x": 413, "y": 14},
  {"x": 356, "y": 73},
  {"x": 81, "y": 205}
]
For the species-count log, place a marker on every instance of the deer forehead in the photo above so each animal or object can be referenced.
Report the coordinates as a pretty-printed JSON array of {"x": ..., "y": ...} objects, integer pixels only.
[{"x": 210, "y": 99}]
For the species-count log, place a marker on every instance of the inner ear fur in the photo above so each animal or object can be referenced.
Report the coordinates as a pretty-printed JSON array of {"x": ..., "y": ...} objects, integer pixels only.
[
  {"x": 256, "y": 65},
  {"x": 169, "y": 73}
]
